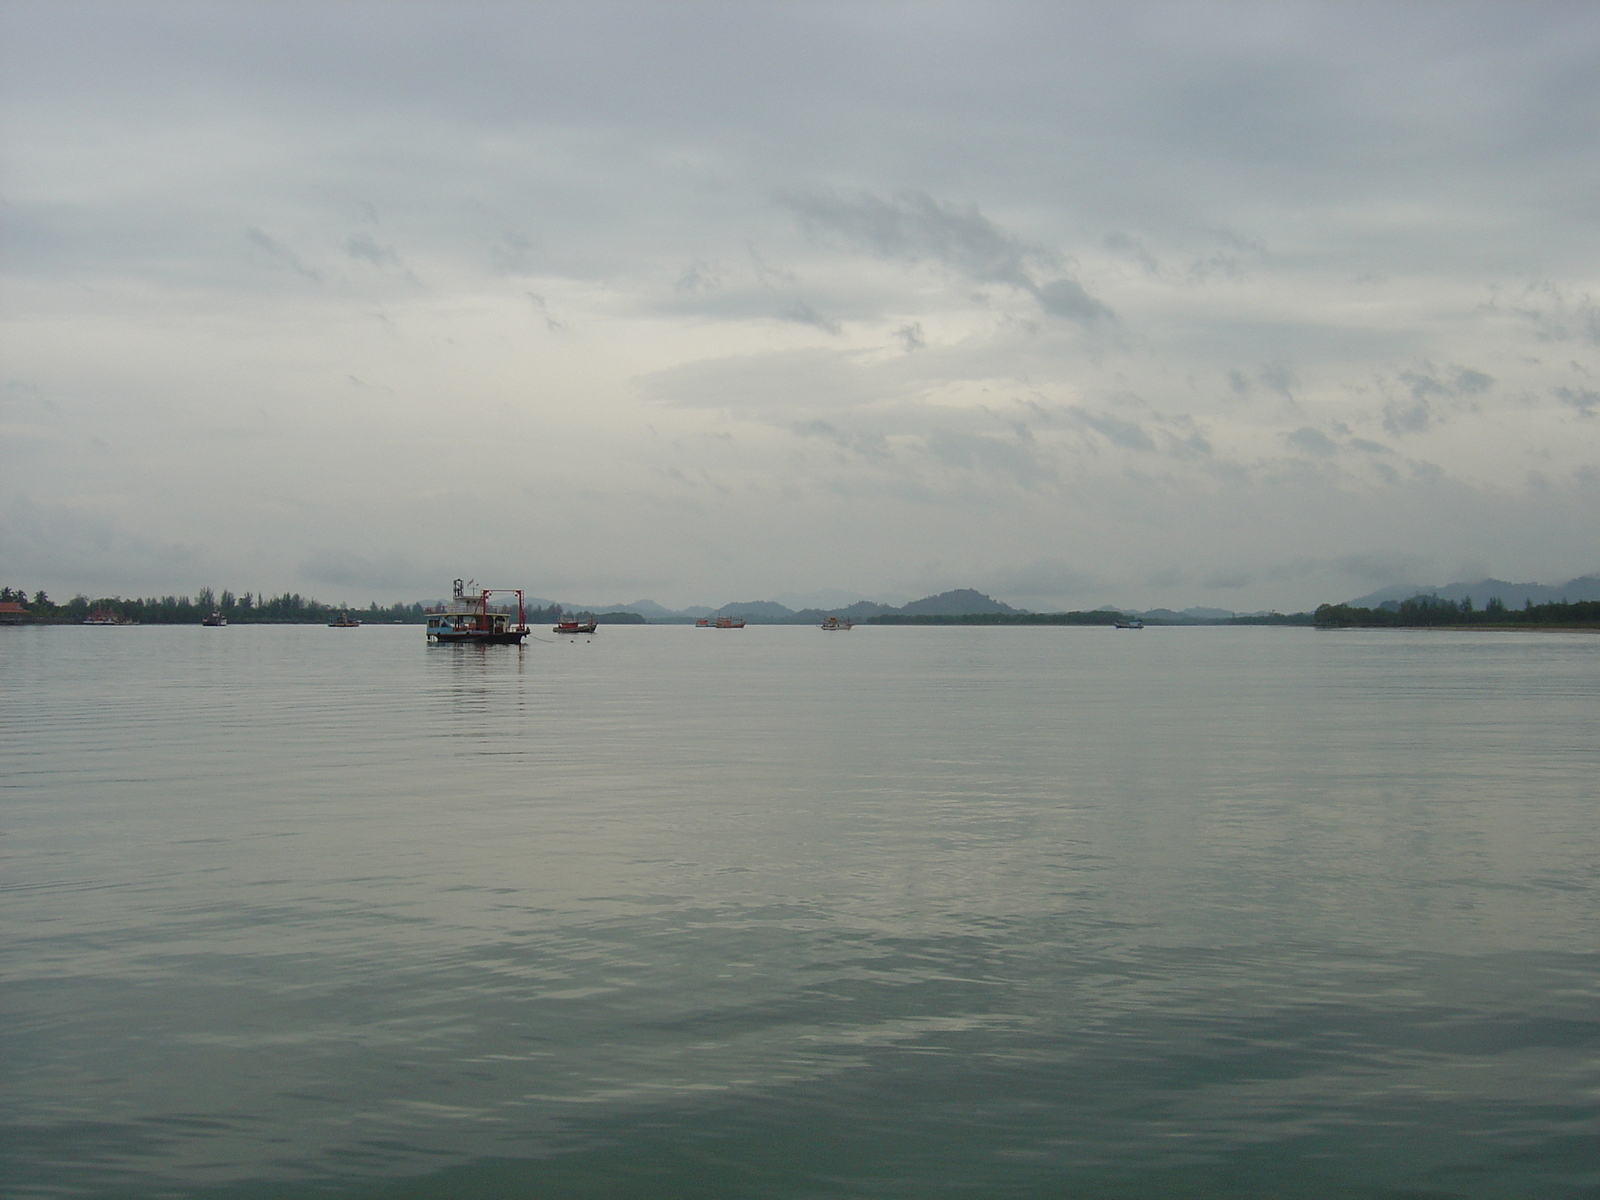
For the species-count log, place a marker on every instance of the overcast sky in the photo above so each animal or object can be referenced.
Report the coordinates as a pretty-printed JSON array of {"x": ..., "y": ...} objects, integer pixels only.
[{"x": 1246, "y": 306}]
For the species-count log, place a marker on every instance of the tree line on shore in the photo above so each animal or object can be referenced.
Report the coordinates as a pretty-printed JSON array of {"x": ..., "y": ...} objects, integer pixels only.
[
  {"x": 1427, "y": 612},
  {"x": 291, "y": 608}
]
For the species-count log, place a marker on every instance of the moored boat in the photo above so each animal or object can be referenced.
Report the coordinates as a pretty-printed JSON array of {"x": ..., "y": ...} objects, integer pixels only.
[
  {"x": 573, "y": 627},
  {"x": 103, "y": 616},
  {"x": 468, "y": 620},
  {"x": 836, "y": 623},
  {"x": 719, "y": 623},
  {"x": 1131, "y": 623},
  {"x": 216, "y": 620},
  {"x": 345, "y": 621}
]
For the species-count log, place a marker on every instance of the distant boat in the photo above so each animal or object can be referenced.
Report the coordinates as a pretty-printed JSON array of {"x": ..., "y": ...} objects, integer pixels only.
[
  {"x": 468, "y": 620},
  {"x": 573, "y": 627},
  {"x": 1131, "y": 623},
  {"x": 345, "y": 621},
  {"x": 719, "y": 623},
  {"x": 216, "y": 620},
  {"x": 101, "y": 616},
  {"x": 836, "y": 623}
]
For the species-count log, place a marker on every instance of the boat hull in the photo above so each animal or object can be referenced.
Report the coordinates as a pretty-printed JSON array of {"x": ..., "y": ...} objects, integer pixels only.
[{"x": 510, "y": 637}]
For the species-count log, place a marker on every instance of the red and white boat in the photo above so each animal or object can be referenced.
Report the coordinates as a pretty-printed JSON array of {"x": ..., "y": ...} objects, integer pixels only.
[
  {"x": 719, "y": 623},
  {"x": 469, "y": 620},
  {"x": 574, "y": 626}
]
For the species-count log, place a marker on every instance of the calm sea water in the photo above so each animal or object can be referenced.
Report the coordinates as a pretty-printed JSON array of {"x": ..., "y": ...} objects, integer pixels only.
[{"x": 778, "y": 913}]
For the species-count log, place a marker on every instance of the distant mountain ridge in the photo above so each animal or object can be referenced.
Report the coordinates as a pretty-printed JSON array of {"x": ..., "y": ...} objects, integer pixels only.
[
  {"x": 959, "y": 602},
  {"x": 1514, "y": 595}
]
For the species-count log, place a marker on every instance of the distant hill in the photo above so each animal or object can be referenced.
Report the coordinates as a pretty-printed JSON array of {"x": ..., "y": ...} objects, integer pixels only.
[
  {"x": 1514, "y": 595},
  {"x": 959, "y": 603},
  {"x": 756, "y": 610}
]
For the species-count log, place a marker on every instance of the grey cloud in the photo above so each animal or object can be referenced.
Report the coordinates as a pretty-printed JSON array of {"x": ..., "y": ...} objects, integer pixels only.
[
  {"x": 95, "y": 552},
  {"x": 916, "y": 228},
  {"x": 1167, "y": 578},
  {"x": 365, "y": 248},
  {"x": 760, "y": 384},
  {"x": 1557, "y": 316},
  {"x": 816, "y": 428},
  {"x": 1131, "y": 247},
  {"x": 1191, "y": 445},
  {"x": 1427, "y": 384},
  {"x": 979, "y": 452},
  {"x": 1312, "y": 441},
  {"x": 276, "y": 254},
  {"x": 345, "y": 568},
  {"x": 1227, "y": 580},
  {"x": 1280, "y": 378},
  {"x": 1046, "y": 577},
  {"x": 543, "y": 309},
  {"x": 1582, "y": 399},
  {"x": 697, "y": 277},
  {"x": 1128, "y": 434},
  {"x": 802, "y": 313},
  {"x": 1384, "y": 566},
  {"x": 870, "y": 445},
  {"x": 1453, "y": 382},
  {"x": 512, "y": 254},
  {"x": 911, "y": 336},
  {"x": 1066, "y": 298},
  {"x": 1401, "y": 419}
]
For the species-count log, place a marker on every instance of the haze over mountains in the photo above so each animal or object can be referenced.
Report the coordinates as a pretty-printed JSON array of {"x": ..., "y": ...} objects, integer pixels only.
[{"x": 967, "y": 601}]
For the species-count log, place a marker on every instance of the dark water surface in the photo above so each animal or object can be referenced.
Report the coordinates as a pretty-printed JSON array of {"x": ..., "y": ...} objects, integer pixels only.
[{"x": 778, "y": 913}]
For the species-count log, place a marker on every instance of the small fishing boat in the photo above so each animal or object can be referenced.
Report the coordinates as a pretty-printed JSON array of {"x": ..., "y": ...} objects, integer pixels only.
[
  {"x": 468, "y": 620},
  {"x": 836, "y": 623},
  {"x": 1130, "y": 623},
  {"x": 719, "y": 623},
  {"x": 216, "y": 620},
  {"x": 345, "y": 621},
  {"x": 573, "y": 627}
]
